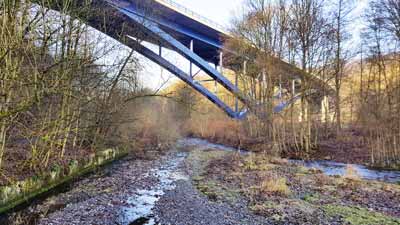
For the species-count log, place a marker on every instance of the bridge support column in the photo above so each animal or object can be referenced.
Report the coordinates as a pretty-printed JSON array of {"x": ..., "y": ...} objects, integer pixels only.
[
  {"x": 237, "y": 85},
  {"x": 293, "y": 87},
  {"x": 280, "y": 87},
  {"x": 236, "y": 98},
  {"x": 325, "y": 115},
  {"x": 160, "y": 54},
  {"x": 264, "y": 86},
  {"x": 221, "y": 69},
  {"x": 191, "y": 64},
  {"x": 154, "y": 31}
]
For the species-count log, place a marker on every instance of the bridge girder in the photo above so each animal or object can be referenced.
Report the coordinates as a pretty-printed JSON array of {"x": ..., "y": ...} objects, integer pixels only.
[{"x": 127, "y": 20}]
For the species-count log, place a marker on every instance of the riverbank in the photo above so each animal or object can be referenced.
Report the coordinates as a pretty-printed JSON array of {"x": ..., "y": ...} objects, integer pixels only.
[
  {"x": 287, "y": 193},
  {"x": 99, "y": 198},
  {"x": 197, "y": 183},
  {"x": 348, "y": 148}
]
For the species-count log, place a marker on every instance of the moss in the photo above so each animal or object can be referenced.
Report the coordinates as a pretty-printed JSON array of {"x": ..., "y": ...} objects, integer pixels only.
[
  {"x": 359, "y": 216},
  {"x": 55, "y": 172},
  {"x": 311, "y": 197},
  {"x": 279, "y": 210},
  {"x": 198, "y": 178},
  {"x": 263, "y": 206},
  {"x": 73, "y": 167},
  {"x": 40, "y": 187},
  {"x": 301, "y": 170},
  {"x": 214, "y": 190},
  {"x": 209, "y": 189}
]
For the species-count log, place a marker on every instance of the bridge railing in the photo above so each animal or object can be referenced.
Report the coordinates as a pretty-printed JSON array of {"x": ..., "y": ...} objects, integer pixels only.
[{"x": 193, "y": 14}]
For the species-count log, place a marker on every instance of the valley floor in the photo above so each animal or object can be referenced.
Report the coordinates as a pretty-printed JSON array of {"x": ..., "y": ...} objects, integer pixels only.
[{"x": 196, "y": 183}]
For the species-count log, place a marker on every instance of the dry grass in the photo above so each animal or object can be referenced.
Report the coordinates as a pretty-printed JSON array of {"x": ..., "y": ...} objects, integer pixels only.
[
  {"x": 276, "y": 186},
  {"x": 351, "y": 173},
  {"x": 322, "y": 180},
  {"x": 222, "y": 130}
]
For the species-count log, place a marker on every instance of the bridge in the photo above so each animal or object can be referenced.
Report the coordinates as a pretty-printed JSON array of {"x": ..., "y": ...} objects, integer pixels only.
[{"x": 172, "y": 26}]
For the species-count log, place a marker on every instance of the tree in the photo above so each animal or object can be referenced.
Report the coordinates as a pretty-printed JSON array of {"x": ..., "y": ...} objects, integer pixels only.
[
  {"x": 308, "y": 28},
  {"x": 342, "y": 10},
  {"x": 260, "y": 35},
  {"x": 389, "y": 13}
]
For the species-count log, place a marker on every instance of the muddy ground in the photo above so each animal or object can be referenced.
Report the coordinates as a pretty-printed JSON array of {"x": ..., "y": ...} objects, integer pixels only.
[{"x": 206, "y": 184}]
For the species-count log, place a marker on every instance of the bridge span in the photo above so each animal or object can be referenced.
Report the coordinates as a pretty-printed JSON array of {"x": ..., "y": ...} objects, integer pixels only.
[{"x": 170, "y": 25}]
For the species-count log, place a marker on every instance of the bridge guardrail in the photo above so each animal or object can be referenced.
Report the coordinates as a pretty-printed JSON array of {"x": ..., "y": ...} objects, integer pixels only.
[{"x": 194, "y": 15}]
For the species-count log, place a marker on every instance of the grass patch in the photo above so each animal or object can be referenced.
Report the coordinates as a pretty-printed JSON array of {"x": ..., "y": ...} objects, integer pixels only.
[
  {"x": 199, "y": 160},
  {"x": 276, "y": 186},
  {"x": 359, "y": 216},
  {"x": 271, "y": 209},
  {"x": 255, "y": 162},
  {"x": 215, "y": 191},
  {"x": 311, "y": 198}
]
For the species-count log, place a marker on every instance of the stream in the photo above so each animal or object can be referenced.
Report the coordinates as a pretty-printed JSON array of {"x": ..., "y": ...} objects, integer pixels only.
[
  {"x": 142, "y": 203},
  {"x": 329, "y": 168},
  {"x": 339, "y": 169}
]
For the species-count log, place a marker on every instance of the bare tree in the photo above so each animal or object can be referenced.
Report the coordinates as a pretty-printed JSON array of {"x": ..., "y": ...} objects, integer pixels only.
[
  {"x": 342, "y": 10},
  {"x": 308, "y": 31}
]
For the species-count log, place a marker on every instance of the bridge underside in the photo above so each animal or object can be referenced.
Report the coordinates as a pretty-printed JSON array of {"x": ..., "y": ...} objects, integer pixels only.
[
  {"x": 135, "y": 22},
  {"x": 132, "y": 22}
]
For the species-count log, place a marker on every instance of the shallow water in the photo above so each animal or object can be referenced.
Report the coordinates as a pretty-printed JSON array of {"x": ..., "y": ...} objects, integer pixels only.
[
  {"x": 327, "y": 167},
  {"x": 140, "y": 206},
  {"x": 203, "y": 144},
  {"x": 339, "y": 169}
]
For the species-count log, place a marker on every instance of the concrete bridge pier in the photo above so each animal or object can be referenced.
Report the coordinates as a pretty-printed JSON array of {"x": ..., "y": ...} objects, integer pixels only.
[{"x": 326, "y": 114}]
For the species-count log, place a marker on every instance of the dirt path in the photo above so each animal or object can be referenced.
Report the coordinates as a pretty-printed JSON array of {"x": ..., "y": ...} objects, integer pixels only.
[{"x": 184, "y": 205}]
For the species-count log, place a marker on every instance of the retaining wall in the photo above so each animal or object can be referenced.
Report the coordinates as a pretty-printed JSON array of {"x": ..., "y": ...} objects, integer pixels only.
[{"x": 24, "y": 191}]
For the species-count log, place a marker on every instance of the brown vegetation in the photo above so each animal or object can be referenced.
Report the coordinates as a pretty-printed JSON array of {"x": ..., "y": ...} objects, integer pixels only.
[
  {"x": 287, "y": 193},
  {"x": 354, "y": 116},
  {"x": 58, "y": 102}
]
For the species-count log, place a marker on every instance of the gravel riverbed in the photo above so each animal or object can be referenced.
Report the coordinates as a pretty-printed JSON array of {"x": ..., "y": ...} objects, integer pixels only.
[
  {"x": 131, "y": 191},
  {"x": 197, "y": 183}
]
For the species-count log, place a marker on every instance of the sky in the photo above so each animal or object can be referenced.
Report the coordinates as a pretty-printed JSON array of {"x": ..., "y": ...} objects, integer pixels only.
[
  {"x": 222, "y": 12},
  {"x": 219, "y": 11}
]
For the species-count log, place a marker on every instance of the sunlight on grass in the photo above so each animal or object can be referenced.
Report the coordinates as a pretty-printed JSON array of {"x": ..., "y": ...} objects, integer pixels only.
[
  {"x": 276, "y": 186},
  {"x": 360, "y": 216}
]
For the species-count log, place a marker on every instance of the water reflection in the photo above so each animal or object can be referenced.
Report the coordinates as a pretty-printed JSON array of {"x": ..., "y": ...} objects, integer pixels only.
[{"x": 140, "y": 206}]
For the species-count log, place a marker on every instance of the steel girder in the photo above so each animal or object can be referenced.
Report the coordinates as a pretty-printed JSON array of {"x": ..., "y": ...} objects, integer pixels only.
[
  {"x": 185, "y": 77},
  {"x": 154, "y": 30}
]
